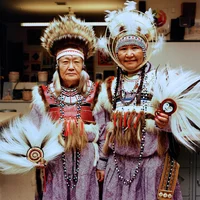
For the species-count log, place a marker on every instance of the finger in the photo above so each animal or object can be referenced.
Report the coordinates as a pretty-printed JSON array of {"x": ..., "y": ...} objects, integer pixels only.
[
  {"x": 97, "y": 174},
  {"x": 160, "y": 122},
  {"x": 162, "y": 118},
  {"x": 101, "y": 178}
]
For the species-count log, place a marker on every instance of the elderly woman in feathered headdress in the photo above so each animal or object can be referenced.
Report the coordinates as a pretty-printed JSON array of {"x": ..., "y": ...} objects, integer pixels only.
[
  {"x": 69, "y": 102},
  {"x": 141, "y": 111}
]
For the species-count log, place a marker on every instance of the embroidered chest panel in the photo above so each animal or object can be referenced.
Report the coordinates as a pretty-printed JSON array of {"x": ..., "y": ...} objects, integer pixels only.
[
  {"x": 70, "y": 104},
  {"x": 126, "y": 94}
]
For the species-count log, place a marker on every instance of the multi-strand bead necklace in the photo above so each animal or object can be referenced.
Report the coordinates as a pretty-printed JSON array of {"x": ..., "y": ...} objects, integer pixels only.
[
  {"x": 143, "y": 90},
  {"x": 74, "y": 99}
]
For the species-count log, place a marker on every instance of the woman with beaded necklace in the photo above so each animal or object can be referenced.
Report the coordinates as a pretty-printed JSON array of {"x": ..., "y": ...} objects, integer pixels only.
[
  {"x": 70, "y": 99},
  {"x": 136, "y": 145}
]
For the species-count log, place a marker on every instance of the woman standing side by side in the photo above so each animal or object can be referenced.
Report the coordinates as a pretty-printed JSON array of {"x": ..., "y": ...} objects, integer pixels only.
[
  {"x": 70, "y": 98},
  {"x": 63, "y": 134},
  {"x": 137, "y": 144}
]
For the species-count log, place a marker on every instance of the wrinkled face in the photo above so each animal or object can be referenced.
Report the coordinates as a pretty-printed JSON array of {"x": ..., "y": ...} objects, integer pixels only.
[
  {"x": 70, "y": 68},
  {"x": 131, "y": 57}
]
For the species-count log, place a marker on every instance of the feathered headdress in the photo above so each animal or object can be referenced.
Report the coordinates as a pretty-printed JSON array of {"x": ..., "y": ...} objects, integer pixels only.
[
  {"x": 69, "y": 36},
  {"x": 176, "y": 92},
  {"x": 23, "y": 145},
  {"x": 67, "y": 31},
  {"x": 130, "y": 25}
]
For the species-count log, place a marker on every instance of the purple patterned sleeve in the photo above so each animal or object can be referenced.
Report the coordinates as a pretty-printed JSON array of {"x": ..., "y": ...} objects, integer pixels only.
[
  {"x": 36, "y": 115},
  {"x": 101, "y": 118}
]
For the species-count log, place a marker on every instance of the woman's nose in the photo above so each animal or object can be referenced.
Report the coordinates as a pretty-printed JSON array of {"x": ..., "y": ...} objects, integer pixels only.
[
  {"x": 71, "y": 66},
  {"x": 130, "y": 52}
]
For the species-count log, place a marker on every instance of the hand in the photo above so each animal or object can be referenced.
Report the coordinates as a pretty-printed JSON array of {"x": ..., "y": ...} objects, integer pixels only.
[
  {"x": 41, "y": 165},
  {"x": 100, "y": 175},
  {"x": 161, "y": 119}
]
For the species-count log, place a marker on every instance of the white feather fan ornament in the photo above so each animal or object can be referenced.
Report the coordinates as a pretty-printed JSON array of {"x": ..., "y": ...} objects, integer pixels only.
[
  {"x": 23, "y": 145},
  {"x": 177, "y": 92}
]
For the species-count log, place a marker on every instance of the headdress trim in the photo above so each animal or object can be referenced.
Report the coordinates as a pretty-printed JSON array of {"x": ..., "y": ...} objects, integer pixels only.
[{"x": 69, "y": 52}]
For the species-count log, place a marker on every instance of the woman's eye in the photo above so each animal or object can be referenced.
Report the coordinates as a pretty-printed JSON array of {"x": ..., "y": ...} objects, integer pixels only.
[
  {"x": 77, "y": 62},
  {"x": 65, "y": 62},
  {"x": 135, "y": 47},
  {"x": 123, "y": 49}
]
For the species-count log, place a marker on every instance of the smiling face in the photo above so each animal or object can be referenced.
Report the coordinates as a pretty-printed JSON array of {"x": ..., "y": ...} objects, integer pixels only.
[
  {"x": 70, "y": 68},
  {"x": 131, "y": 57}
]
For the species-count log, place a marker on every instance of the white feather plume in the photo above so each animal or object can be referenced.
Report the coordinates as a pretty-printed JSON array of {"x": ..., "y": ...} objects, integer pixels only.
[
  {"x": 130, "y": 5},
  {"x": 102, "y": 45},
  {"x": 157, "y": 47},
  {"x": 150, "y": 14},
  {"x": 20, "y": 136},
  {"x": 110, "y": 15},
  {"x": 131, "y": 21},
  {"x": 182, "y": 86},
  {"x": 56, "y": 82}
]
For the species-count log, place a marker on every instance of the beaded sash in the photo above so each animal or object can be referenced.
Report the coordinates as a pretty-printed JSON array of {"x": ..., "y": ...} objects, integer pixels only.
[{"x": 169, "y": 179}]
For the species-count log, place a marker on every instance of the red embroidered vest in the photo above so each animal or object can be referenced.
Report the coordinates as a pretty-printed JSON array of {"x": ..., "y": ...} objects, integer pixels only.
[{"x": 69, "y": 111}]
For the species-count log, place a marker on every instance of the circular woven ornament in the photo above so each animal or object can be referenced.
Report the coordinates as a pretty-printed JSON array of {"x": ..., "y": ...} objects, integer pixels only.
[{"x": 35, "y": 154}]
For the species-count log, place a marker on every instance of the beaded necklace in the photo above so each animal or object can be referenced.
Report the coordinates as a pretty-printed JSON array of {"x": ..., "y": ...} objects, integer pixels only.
[
  {"x": 142, "y": 144},
  {"x": 71, "y": 179},
  {"x": 123, "y": 93}
]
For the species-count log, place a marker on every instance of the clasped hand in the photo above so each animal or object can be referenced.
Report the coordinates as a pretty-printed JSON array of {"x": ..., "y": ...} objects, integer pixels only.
[
  {"x": 161, "y": 119},
  {"x": 41, "y": 164}
]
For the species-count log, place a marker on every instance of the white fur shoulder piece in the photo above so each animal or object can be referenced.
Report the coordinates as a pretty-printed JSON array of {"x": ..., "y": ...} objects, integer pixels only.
[
  {"x": 37, "y": 99},
  {"x": 103, "y": 100},
  {"x": 23, "y": 145}
]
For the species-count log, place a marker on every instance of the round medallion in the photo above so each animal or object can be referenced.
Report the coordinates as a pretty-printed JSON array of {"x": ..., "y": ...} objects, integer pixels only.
[
  {"x": 35, "y": 154},
  {"x": 168, "y": 106}
]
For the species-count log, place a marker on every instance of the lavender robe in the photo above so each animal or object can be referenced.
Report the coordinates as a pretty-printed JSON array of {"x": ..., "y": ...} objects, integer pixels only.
[
  {"x": 87, "y": 186},
  {"x": 145, "y": 185}
]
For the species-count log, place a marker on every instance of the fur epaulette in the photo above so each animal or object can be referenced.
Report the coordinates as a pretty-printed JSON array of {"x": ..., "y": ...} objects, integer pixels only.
[
  {"x": 104, "y": 99},
  {"x": 38, "y": 99}
]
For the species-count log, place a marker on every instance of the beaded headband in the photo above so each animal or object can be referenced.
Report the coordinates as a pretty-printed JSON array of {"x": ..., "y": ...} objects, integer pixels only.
[
  {"x": 69, "y": 52},
  {"x": 131, "y": 39}
]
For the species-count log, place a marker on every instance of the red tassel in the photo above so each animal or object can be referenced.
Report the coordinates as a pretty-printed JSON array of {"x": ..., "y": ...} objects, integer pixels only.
[
  {"x": 44, "y": 179},
  {"x": 68, "y": 127},
  {"x": 82, "y": 127},
  {"x": 125, "y": 115},
  {"x": 120, "y": 120},
  {"x": 66, "y": 131},
  {"x": 137, "y": 121},
  {"x": 130, "y": 120}
]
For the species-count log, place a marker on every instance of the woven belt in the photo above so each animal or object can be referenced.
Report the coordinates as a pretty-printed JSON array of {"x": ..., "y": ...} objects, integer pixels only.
[{"x": 169, "y": 179}]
